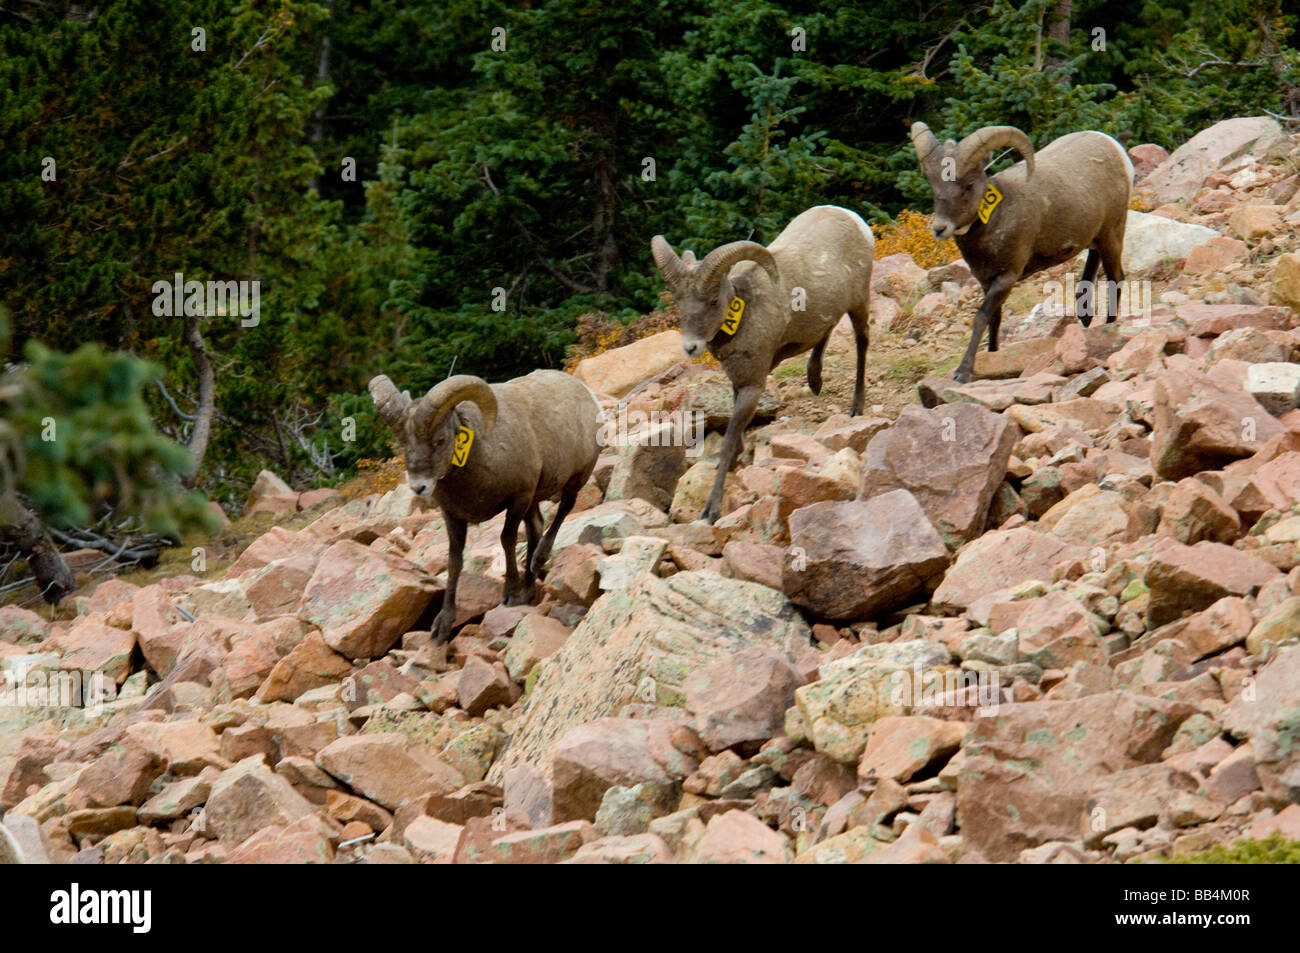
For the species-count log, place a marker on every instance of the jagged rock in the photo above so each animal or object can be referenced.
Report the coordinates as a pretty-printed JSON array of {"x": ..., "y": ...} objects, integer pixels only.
[
  {"x": 271, "y": 495},
  {"x": 536, "y": 637},
  {"x": 363, "y": 600},
  {"x": 875, "y": 681},
  {"x": 900, "y": 747},
  {"x": 249, "y": 797},
  {"x": 630, "y": 849},
  {"x": 639, "y": 644},
  {"x": 951, "y": 459},
  {"x": 854, "y": 559},
  {"x": 650, "y": 467},
  {"x": 1151, "y": 239},
  {"x": 386, "y": 769},
  {"x": 735, "y": 837},
  {"x": 1000, "y": 560},
  {"x": 1285, "y": 288},
  {"x": 1134, "y": 797},
  {"x": 1185, "y": 578},
  {"x": 618, "y": 370},
  {"x": 741, "y": 697},
  {"x": 1200, "y": 424},
  {"x": 1029, "y": 766},
  {"x": 1179, "y": 178},
  {"x": 310, "y": 664},
  {"x": 590, "y": 759},
  {"x": 1276, "y": 385}
]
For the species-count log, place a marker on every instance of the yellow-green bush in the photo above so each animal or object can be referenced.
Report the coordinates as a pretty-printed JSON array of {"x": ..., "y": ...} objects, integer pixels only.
[{"x": 911, "y": 232}]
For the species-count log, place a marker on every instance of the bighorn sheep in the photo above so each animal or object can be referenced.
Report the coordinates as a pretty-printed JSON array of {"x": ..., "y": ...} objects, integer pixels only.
[
  {"x": 477, "y": 449},
  {"x": 753, "y": 307},
  {"x": 1071, "y": 195}
]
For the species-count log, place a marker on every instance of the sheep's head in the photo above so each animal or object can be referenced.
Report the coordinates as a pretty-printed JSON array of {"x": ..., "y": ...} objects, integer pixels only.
[
  {"x": 703, "y": 290},
  {"x": 427, "y": 428},
  {"x": 956, "y": 171}
]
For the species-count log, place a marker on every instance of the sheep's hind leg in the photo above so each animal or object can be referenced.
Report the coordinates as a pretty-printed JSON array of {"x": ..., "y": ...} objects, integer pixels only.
[
  {"x": 742, "y": 412},
  {"x": 515, "y": 593},
  {"x": 1112, "y": 261},
  {"x": 861, "y": 338},
  {"x": 815, "y": 365},
  {"x": 568, "y": 496},
  {"x": 1087, "y": 291},
  {"x": 446, "y": 617},
  {"x": 533, "y": 529}
]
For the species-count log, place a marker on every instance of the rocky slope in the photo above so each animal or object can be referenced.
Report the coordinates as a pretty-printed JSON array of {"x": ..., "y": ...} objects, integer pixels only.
[{"x": 1046, "y": 617}]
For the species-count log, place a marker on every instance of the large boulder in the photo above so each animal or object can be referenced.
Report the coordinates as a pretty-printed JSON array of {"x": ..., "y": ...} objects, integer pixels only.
[
  {"x": 362, "y": 600},
  {"x": 1179, "y": 178},
  {"x": 592, "y": 758},
  {"x": 249, "y": 797},
  {"x": 1200, "y": 424},
  {"x": 1029, "y": 767},
  {"x": 950, "y": 458},
  {"x": 617, "y": 371},
  {"x": 1152, "y": 239},
  {"x": 640, "y": 644},
  {"x": 1000, "y": 560},
  {"x": 1184, "y": 578},
  {"x": 854, "y": 559},
  {"x": 742, "y": 697},
  {"x": 386, "y": 769},
  {"x": 876, "y": 681}
]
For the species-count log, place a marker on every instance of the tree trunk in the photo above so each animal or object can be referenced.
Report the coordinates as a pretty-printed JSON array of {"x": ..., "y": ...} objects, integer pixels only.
[
  {"x": 202, "y": 431},
  {"x": 603, "y": 221},
  {"x": 1058, "y": 30},
  {"x": 21, "y": 528}
]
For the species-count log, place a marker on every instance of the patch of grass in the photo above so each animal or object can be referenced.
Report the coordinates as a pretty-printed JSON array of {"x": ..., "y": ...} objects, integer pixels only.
[
  {"x": 790, "y": 370},
  {"x": 1274, "y": 850}
]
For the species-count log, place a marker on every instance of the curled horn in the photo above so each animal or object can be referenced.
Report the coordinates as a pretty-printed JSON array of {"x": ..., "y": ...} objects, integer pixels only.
[
  {"x": 719, "y": 261},
  {"x": 670, "y": 266},
  {"x": 390, "y": 403},
  {"x": 442, "y": 398},
  {"x": 927, "y": 146},
  {"x": 981, "y": 142}
]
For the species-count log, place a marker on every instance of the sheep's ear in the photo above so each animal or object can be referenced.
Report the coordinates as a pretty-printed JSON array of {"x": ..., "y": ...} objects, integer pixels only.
[{"x": 388, "y": 401}]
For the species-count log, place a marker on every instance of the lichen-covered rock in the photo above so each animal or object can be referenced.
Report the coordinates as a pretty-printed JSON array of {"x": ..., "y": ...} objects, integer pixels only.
[{"x": 640, "y": 644}]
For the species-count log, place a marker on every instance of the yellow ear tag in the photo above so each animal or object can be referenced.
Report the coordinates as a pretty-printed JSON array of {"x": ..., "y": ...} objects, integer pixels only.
[
  {"x": 990, "y": 201},
  {"x": 734, "y": 310},
  {"x": 464, "y": 440}
]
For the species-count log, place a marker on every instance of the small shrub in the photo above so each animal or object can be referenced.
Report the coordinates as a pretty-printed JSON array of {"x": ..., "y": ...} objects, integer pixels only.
[
  {"x": 1274, "y": 850},
  {"x": 597, "y": 332},
  {"x": 911, "y": 232},
  {"x": 374, "y": 476}
]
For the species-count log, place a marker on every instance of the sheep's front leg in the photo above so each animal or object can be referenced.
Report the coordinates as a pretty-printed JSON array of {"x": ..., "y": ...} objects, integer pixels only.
[
  {"x": 746, "y": 402},
  {"x": 994, "y": 297},
  {"x": 446, "y": 617},
  {"x": 515, "y": 593}
]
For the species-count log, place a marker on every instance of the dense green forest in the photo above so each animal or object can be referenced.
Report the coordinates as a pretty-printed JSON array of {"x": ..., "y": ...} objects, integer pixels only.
[{"x": 417, "y": 182}]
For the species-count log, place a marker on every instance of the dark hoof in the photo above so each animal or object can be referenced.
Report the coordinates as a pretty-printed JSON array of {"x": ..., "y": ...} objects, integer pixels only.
[
  {"x": 961, "y": 376},
  {"x": 520, "y": 597}
]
